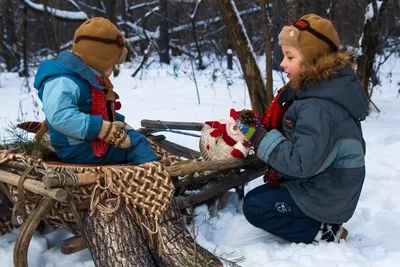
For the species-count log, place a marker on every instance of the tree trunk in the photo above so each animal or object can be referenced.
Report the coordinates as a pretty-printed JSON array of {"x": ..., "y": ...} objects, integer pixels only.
[
  {"x": 7, "y": 28},
  {"x": 180, "y": 249},
  {"x": 111, "y": 10},
  {"x": 115, "y": 240},
  {"x": 369, "y": 46},
  {"x": 265, "y": 18},
  {"x": 243, "y": 48},
  {"x": 49, "y": 27},
  {"x": 164, "y": 36},
  {"x": 192, "y": 18},
  {"x": 25, "y": 72}
]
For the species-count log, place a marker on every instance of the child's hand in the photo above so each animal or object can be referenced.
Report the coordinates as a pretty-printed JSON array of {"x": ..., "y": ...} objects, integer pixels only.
[
  {"x": 123, "y": 125},
  {"x": 114, "y": 135},
  {"x": 250, "y": 124}
]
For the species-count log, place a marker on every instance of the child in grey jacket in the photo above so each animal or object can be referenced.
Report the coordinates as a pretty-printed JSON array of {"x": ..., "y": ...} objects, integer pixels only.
[{"x": 319, "y": 156}]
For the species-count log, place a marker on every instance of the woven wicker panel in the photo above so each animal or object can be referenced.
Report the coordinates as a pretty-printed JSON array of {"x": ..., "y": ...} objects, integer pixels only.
[
  {"x": 165, "y": 157},
  {"x": 147, "y": 187}
]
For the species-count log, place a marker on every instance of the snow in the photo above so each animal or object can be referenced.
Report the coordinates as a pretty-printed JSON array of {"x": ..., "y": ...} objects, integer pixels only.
[
  {"x": 369, "y": 10},
  {"x": 168, "y": 93},
  {"x": 70, "y": 15}
]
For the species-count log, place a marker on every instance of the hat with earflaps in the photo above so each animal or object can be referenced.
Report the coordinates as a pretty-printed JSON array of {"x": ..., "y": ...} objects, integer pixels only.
[{"x": 100, "y": 44}]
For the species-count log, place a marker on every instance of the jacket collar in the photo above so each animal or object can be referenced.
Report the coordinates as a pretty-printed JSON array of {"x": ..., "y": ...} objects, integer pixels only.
[
  {"x": 78, "y": 66},
  {"x": 324, "y": 67}
]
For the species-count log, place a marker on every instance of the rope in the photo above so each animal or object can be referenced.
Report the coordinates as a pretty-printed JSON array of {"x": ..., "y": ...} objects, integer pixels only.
[{"x": 167, "y": 129}]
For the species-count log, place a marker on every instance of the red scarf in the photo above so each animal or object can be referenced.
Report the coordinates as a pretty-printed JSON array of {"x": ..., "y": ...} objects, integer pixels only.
[
  {"x": 273, "y": 119},
  {"x": 99, "y": 107}
]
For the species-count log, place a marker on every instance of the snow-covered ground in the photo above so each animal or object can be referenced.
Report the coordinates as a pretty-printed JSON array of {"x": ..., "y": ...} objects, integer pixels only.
[{"x": 169, "y": 93}]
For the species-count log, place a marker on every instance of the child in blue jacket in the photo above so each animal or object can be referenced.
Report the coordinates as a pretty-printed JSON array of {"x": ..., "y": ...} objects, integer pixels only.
[
  {"x": 319, "y": 156},
  {"x": 79, "y": 102}
]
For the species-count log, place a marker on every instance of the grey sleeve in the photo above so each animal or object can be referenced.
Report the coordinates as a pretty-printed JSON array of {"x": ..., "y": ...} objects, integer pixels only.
[{"x": 307, "y": 155}]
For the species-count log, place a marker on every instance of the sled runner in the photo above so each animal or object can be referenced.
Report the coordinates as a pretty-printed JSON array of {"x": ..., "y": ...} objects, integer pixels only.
[{"x": 126, "y": 215}]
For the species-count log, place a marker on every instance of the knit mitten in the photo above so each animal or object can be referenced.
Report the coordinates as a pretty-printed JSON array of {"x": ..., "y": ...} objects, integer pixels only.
[
  {"x": 123, "y": 125},
  {"x": 250, "y": 124},
  {"x": 114, "y": 135}
]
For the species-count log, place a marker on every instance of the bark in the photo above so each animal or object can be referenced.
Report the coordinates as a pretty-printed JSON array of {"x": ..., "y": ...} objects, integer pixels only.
[
  {"x": 7, "y": 28},
  {"x": 111, "y": 10},
  {"x": 369, "y": 46},
  {"x": 194, "y": 34},
  {"x": 115, "y": 240},
  {"x": 180, "y": 249},
  {"x": 268, "y": 50},
  {"x": 164, "y": 36},
  {"x": 217, "y": 187},
  {"x": 243, "y": 48},
  {"x": 25, "y": 71}
]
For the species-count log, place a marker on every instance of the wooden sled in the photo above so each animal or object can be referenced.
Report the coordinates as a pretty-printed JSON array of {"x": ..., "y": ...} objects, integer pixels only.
[{"x": 61, "y": 198}]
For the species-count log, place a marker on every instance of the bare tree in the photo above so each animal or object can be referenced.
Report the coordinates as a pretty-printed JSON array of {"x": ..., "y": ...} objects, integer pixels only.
[
  {"x": 8, "y": 39},
  {"x": 265, "y": 18},
  {"x": 24, "y": 9},
  {"x": 243, "y": 48},
  {"x": 192, "y": 18},
  {"x": 370, "y": 44},
  {"x": 164, "y": 35}
]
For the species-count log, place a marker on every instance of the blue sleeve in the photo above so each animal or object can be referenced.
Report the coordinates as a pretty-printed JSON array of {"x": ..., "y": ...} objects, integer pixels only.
[
  {"x": 141, "y": 150},
  {"x": 60, "y": 106},
  {"x": 119, "y": 117},
  {"x": 309, "y": 154}
]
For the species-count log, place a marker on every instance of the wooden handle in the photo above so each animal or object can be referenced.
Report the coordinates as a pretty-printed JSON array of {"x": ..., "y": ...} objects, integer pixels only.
[
  {"x": 176, "y": 125},
  {"x": 73, "y": 244},
  {"x": 34, "y": 186}
]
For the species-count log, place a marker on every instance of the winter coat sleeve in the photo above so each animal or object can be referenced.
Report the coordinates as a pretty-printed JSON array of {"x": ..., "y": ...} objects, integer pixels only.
[
  {"x": 119, "y": 117},
  {"x": 60, "y": 106},
  {"x": 308, "y": 154}
]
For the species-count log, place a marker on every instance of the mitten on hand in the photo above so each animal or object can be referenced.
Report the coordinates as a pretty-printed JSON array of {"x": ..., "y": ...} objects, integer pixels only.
[
  {"x": 271, "y": 177},
  {"x": 114, "y": 135},
  {"x": 250, "y": 124},
  {"x": 123, "y": 125}
]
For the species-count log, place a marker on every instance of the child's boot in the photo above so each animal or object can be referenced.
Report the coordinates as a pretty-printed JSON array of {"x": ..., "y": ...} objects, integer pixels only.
[{"x": 331, "y": 233}]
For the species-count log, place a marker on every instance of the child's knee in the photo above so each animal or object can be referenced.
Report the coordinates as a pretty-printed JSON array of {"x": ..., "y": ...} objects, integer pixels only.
[{"x": 252, "y": 209}]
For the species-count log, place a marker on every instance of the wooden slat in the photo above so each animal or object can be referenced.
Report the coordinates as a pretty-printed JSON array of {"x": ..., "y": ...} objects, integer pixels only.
[
  {"x": 176, "y": 125},
  {"x": 34, "y": 186}
]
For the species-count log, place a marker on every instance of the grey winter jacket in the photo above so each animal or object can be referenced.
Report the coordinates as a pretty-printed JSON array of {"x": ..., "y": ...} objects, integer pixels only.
[{"x": 320, "y": 157}]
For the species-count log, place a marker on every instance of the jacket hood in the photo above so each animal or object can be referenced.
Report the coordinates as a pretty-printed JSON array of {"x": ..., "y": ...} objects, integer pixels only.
[
  {"x": 331, "y": 77},
  {"x": 66, "y": 63}
]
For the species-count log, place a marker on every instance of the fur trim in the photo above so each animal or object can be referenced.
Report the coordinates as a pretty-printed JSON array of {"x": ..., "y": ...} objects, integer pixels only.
[{"x": 321, "y": 70}]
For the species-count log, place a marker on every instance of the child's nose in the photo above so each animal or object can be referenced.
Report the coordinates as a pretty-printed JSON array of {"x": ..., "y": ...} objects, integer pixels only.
[{"x": 282, "y": 65}]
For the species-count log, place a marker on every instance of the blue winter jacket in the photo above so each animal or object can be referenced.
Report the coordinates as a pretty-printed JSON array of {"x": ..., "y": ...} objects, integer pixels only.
[
  {"x": 64, "y": 90},
  {"x": 320, "y": 156}
]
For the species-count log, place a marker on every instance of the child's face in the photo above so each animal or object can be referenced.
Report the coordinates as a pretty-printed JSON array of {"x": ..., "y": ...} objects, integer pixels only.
[{"x": 291, "y": 60}]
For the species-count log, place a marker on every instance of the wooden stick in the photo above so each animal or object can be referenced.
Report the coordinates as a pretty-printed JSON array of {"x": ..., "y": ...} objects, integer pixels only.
[
  {"x": 176, "y": 125},
  {"x": 215, "y": 165},
  {"x": 216, "y": 187},
  {"x": 177, "y": 149},
  {"x": 53, "y": 180},
  {"x": 175, "y": 170},
  {"x": 34, "y": 186},
  {"x": 73, "y": 244}
]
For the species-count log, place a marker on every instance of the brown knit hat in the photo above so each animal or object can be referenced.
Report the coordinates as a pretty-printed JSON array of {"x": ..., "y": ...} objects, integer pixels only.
[
  {"x": 313, "y": 35},
  {"x": 99, "y": 43}
]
